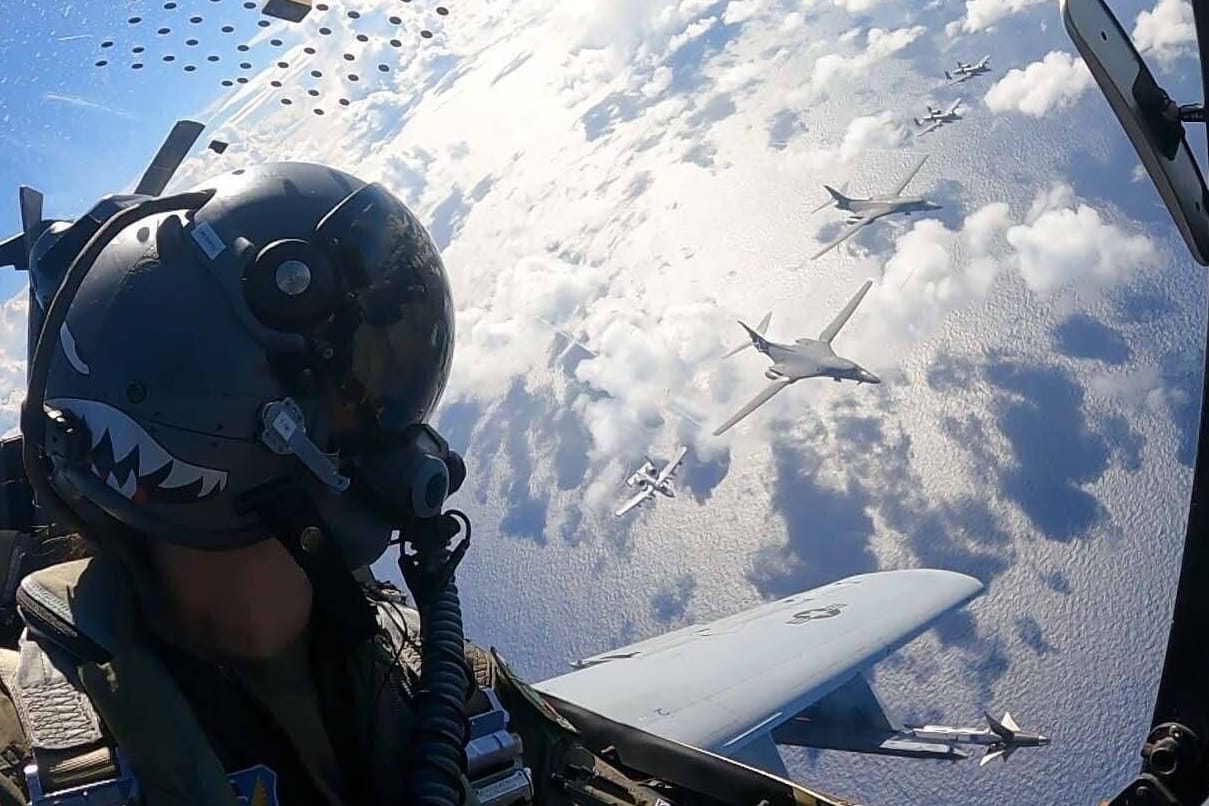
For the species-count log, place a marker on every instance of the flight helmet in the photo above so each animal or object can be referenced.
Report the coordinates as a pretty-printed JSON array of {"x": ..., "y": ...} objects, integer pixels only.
[{"x": 282, "y": 334}]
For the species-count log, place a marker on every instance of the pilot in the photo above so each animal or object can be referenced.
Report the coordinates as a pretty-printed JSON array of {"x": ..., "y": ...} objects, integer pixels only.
[{"x": 228, "y": 402}]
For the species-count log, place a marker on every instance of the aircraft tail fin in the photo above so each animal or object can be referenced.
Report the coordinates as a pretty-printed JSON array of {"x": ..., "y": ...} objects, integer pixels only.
[
  {"x": 837, "y": 196},
  {"x": 757, "y": 338},
  {"x": 170, "y": 156},
  {"x": 14, "y": 251},
  {"x": 759, "y": 331},
  {"x": 948, "y": 77},
  {"x": 1006, "y": 728}
]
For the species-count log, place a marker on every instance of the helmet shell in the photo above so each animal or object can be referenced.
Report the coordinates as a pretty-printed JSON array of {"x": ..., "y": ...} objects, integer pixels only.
[{"x": 168, "y": 366}]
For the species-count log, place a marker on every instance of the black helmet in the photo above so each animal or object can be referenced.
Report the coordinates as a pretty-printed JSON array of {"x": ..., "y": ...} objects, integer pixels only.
[{"x": 273, "y": 337}]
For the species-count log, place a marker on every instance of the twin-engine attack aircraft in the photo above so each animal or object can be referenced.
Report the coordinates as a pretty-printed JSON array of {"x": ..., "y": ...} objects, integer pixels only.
[
  {"x": 791, "y": 672},
  {"x": 863, "y": 212},
  {"x": 938, "y": 117},
  {"x": 649, "y": 482},
  {"x": 964, "y": 71},
  {"x": 805, "y": 358}
]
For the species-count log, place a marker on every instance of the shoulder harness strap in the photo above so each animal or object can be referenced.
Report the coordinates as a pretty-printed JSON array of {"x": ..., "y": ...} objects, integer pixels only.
[{"x": 73, "y": 761}]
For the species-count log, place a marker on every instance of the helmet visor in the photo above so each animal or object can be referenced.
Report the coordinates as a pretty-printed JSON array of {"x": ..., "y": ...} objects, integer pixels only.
[{"x": 387, "y": 350}]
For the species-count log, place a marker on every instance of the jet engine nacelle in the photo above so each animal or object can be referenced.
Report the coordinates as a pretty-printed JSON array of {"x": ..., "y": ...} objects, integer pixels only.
[{"x": 772, "y": 375}]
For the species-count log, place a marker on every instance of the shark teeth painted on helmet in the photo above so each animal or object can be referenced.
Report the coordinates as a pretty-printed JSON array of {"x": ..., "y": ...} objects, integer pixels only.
[{"x": 131, "y": 461}]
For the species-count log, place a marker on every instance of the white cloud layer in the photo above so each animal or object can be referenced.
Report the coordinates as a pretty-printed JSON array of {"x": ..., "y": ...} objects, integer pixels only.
[
  {"x": 880, "y": 43},
  {"x": 1060, "y": 242},
  {"x": 981, "y": 15},
  {"x": 1167, "y": 30},
  {"x": 1055, "y": 82},
  {"x": 1064, "y": 241}
]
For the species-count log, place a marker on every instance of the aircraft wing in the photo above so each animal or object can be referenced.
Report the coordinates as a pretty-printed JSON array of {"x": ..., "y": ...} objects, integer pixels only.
[
  {"x": 898, "y": 189},
  {"x": 669, "y": 469},
  {"x": 983, "y": 62},
  {"x": 843, "y": 236},
  {"x": 756, "y": 402},
  {"x": 952, "y": 110},
  {"x": 635, "y": 501},
  {"x": 739, "y": 678},
  {"x": 572, "y": 341},
  {"x": 842, "y": 317},
  {"x": 931, "y": 128}
]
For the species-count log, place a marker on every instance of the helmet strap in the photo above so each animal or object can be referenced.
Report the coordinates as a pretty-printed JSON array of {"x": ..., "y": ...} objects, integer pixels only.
[{"x": 340, "y": 602}]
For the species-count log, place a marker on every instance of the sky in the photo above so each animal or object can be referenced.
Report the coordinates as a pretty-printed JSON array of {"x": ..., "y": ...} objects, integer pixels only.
[{"x": 641, "y": 174}]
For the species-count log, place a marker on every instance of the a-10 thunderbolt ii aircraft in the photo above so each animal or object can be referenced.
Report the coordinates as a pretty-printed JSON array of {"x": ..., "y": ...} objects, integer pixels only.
[
  {"x": 650, "y": 482},
  {"x": 863, "y": 212},
  {"x": 805, "y": 358},
  {"x": 791, "y": 673},
  {"x": 937, "y": 117},
  {"x": 963, "y": 71}
]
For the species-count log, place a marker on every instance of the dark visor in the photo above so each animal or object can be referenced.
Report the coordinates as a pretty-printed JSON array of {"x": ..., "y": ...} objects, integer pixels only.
[{"x": 391, "y": 339}]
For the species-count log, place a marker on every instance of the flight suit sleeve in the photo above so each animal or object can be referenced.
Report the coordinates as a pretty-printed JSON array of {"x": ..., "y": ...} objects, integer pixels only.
[{"x": 564, "y": 770}]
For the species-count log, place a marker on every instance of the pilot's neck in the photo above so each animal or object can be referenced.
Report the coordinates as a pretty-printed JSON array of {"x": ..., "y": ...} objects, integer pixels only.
[{"x": 251, "y": 602}]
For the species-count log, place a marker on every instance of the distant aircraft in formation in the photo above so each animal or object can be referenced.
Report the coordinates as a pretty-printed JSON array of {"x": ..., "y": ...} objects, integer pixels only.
[
  {"x": 863, "y": 212},
  {"x": 937, "y": 117},
  {"x": 649, "y": 482},
  {"x": 963, "y": 72},
  {"x": 805, "y": 358}
]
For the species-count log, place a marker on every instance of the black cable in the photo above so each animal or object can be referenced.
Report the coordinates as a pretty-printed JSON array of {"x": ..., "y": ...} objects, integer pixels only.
[{"x": 438, "y": 753}]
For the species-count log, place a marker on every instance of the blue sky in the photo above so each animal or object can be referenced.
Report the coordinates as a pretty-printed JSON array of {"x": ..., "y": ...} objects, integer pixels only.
[{"x": 76, "y": 131}]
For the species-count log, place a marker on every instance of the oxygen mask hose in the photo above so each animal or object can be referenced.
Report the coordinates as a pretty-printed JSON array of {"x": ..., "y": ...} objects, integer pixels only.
[{"x": 438, "y": 752}]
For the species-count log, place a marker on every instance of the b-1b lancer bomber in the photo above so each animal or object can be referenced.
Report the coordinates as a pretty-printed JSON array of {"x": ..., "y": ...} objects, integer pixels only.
[
  {"x": 649, "y": 482},
  {"x": 863, "y": 212},
  {"x": 805, "y": 358},
  {"x": 963, "y": 71},
  {"x": 938, "y": 117}
]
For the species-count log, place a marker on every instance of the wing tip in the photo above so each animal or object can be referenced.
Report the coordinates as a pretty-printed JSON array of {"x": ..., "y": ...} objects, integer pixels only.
[{"x": 958, "y": 584}]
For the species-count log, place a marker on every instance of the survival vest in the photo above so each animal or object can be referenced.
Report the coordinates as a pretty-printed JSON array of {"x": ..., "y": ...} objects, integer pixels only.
[{"x": 98, "y": 703}]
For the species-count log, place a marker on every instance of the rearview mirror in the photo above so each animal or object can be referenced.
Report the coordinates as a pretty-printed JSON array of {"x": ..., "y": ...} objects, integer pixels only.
[{"x": 1152, "y": 120}]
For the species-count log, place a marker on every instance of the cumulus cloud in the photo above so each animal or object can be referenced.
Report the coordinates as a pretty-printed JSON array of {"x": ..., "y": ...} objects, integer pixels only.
[
  {"x": 507, "y": 334},
  {"x": 1065, "y": 241},
  {"x": 1055, "y": 82},
  {"x": 871, "y": 132},
  {"x": 1059, "y": 242},
  {"x": 879, "y": 44},
  {"x": 738, "y": 11},
  {"x": 1167, "y": 30},
  {"x": 13, "y": 317},
  {"x": 857, "y": 6},
  {"x": 1142, "y": 387},
  {"x": 935, "y": 270},
  {"x": 982, "y": 14}
]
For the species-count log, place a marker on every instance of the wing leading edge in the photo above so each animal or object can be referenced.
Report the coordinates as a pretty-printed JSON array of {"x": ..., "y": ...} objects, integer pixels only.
[
  {"x": 741, "y": 677},
  {"x": 843, "y": 316},
  {"x": 671, "y": 467},
  {"x": 902, "y": 185},
  {"x": 756, "y": 402}
]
